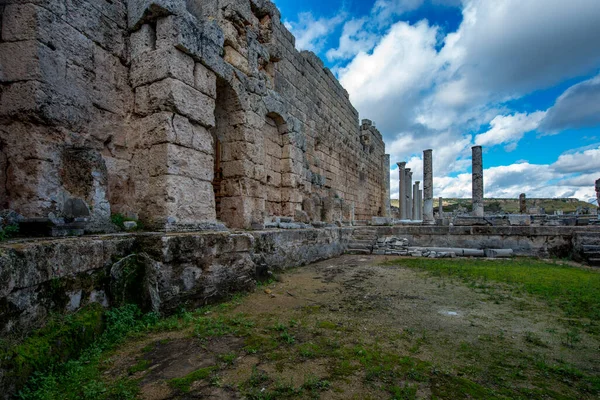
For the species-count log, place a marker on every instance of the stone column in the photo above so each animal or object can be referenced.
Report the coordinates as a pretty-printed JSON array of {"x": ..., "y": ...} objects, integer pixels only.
[
  {"x": 386, "y": 186},
  {"x": 418, "y": 206},
  {"x": 523, "y": 203},
  {"x": 415, "y": 212},
  {"x": 428, "y": 187},
  {"x": 402, "y": 189},
  {"x": 598, "y": 194},
  {"x": 409, "y": 194},
  {"x": 477, "y": 181},
  {"x": 441, "y": 207}
]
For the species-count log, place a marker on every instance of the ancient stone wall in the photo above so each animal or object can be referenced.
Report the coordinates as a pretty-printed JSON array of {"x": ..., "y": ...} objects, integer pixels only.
[{"x": 182, "y": 113}]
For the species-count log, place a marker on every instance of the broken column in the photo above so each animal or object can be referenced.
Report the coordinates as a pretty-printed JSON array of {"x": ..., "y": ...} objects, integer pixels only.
[
  {"x": 409, "y": 214},
  {"x": 477, "y": 181},
  {"x": 428, "y": 187},
  {"x": 402, "y": 190},
  {"x": 598, "y": 193},
  {"x": 441, "y": 207},
  {"x": 523, "y": 203}
]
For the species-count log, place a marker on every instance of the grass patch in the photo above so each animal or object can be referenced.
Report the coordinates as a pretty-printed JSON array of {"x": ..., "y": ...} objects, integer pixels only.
[
  {"x": 184, "y": 384},
  {"x": 574, "y": 290}
]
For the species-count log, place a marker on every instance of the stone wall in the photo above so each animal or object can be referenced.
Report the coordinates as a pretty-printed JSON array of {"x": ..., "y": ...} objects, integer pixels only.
[
  {"x": 38, "y": 277},
  {"x": 181, "y": 113}
]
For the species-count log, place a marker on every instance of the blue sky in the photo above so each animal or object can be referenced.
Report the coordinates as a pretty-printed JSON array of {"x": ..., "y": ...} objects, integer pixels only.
[{"x": 519, "y": 77}]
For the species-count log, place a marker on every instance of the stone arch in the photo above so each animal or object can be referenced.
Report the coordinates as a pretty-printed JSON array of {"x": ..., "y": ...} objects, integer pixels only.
[
  {"x": 236, "y": 188},
  {"x": 276, "y": 150}
]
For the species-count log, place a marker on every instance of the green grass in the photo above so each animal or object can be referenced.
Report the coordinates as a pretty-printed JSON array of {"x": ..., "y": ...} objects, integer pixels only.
[
  {"x": 184, "y": 384},
  {"x": 574, "y": 290}
]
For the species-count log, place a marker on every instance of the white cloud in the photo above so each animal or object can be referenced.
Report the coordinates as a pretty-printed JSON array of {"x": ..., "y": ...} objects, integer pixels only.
[
  {"x": 311, "y": 34},
  {"x": 509, "y": 129},
  {"x": 584, "y": 160},
  {"x": 356, "y": 38},
  {"x": 577, "y": 107}
]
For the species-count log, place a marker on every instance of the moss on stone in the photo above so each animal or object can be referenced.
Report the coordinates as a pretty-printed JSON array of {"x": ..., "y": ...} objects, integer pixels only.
[{"x": 63, "y": 338}]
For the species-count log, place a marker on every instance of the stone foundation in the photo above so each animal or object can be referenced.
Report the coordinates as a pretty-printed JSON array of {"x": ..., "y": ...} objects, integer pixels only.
[{"x": 62, "y": 275}]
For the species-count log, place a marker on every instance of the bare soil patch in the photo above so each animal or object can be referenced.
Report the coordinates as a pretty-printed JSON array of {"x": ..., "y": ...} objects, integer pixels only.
[{"x": 352, "y": 328}]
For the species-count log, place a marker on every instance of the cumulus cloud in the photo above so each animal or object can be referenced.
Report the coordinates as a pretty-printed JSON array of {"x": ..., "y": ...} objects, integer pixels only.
[
  {"x": 509, "y": 129},
  {"x": 506, "y": 48},
  {"x": 311, "y": 34},
  {"x": 584, "y": 161},
  {"x": 578, "y": 107},
  {"x": 356, "y": 38}
]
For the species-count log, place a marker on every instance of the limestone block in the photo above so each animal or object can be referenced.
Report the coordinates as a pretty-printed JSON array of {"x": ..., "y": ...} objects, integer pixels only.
[
  {"x": 241, "y": 187},
  {"x": 141, "y": 11},
  {"x": 172, "y": 128},
  {"x": 381, "y": 221},
  {"x": 109, "y": 87},
  {"x": 142, "y": 41},
  {"x": 238, "y": 169},
  {"x": 519, "y": 220},
  {"x": 205, "y": 80},
  {"x": 173, "y": 95},
  {"x": 233, "y": 57},
  {"x": 190, "y": 201},
  {"x": 30, "y": 60},
  {"x": 157, "y": 65},
  {"x": 103, "y": 30},
  {"x": 171, "y": 159},
  {"x": 24, "y": 98},
  {"x": 178, "y": 32}
]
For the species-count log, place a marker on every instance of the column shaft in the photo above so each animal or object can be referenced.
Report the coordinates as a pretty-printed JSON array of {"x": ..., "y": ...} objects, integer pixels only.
[
  {"x": 428, "y": 187},
  {"x": 478, "y": 210},
  {"x": 402, "y": 190}
]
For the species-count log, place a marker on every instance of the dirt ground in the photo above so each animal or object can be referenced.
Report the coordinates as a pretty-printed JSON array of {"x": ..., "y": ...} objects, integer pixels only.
[{"x": 350, "y": 328}]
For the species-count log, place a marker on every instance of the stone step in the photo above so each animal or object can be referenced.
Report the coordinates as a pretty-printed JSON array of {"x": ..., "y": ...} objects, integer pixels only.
[
  {"x": 365, "y": 246},
  {"x": 589, "y": 247},
  {"x": 592, "y": 254},
  {"x": 365, "y": 238},
  {"x": 363, "y": 241},
  {"x": 358, "y": 251},
  {"x": 594, "y": 262}
]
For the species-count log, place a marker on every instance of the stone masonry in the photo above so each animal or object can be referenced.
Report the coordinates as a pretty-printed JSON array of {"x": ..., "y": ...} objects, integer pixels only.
[{"x": 184, "y": 114}]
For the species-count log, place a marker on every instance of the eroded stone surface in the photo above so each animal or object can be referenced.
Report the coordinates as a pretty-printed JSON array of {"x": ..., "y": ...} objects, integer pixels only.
[{"x": 179, "y": 113}]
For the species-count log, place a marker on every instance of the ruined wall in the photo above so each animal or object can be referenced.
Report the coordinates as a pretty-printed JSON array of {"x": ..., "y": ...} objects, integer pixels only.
[{"x": 182, "y": 113}]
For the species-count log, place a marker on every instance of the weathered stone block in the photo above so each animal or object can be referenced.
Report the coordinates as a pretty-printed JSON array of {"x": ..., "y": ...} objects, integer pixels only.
[
  {"x": 171, "y": 159},
  {"x": 519, "y": 220},
  {"x": 173, "y": 95},
  {"x": 157, "y": 65},
  {"x": 30, "y": 60},
  {"x": 205, "y": 80},
  {"x": 142, "y": 41},
  {"x": 141, "y": 11}
]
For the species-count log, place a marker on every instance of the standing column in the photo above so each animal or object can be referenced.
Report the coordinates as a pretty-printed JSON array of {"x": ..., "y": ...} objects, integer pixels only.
[
  {"x": 418, "y": 200},
  {"x": 598, "y": 194},
  {"x": 421, "y": 205},
  {"x": 386, "y": 186},
  {"x": 523, "y": 203},
  {"x": 409, "y": 194},
  {"x": 415, "y": 212},
  {"x": 441, "y": 207},
  {"x": 428, "y": 187},
  {"x": 477, "y": 181},
  {"x": 402, "y": 190}
]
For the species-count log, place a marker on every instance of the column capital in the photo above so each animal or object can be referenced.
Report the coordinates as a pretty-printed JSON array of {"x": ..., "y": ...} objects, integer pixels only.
[{"x": 401, "y": 164}]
